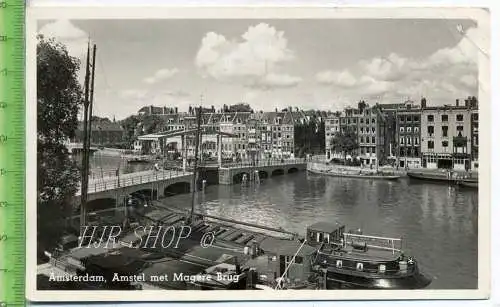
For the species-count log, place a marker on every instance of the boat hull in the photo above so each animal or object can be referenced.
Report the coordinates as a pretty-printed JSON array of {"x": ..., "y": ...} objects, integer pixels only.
[
  {"x": 373, "y": 177},
  {"x": 469, "y": 184},
  {"x": 443, "y": 178},
  {"x": 338, "y": 280}
]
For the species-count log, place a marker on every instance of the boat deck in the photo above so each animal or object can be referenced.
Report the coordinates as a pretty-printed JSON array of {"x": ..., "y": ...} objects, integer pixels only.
[{"x": 370, "y": 255}]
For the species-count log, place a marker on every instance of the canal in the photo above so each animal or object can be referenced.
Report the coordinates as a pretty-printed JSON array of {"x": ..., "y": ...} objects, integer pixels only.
[{"x": 439, "y": 224}]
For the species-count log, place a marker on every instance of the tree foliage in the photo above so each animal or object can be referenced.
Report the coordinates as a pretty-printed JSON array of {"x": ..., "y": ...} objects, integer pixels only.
[
  {"x": 309, "y": 136},
  {"x": 58, "y": 102},
  {"x": 239, "y": 107},
  {"x": 136, "y": 125},
  {"x": 345, "y": 142}
]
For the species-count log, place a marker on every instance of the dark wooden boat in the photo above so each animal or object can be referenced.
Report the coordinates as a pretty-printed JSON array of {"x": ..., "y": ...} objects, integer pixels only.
[
  {"x": 473, "y": 184},
  {"x": 354, "y": 260},
  {"x": 360, "y": 175},
  {"x": 460, "y": 178}
]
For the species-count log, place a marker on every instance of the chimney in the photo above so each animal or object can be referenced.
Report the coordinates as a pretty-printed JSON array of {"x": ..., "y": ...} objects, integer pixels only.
[
  {"x": 457, "y": 102},
  {"x": 176, "y": 110},
  {"x": 467, "y": 103},
  {"x": 423, "y": 103}
]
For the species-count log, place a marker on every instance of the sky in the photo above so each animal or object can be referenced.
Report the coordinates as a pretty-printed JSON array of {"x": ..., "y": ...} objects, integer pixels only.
[{"x": 309, "y": 63}]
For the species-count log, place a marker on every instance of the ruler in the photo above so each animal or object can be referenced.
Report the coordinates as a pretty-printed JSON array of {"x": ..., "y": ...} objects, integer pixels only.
[{"x": 12, "y": 154}]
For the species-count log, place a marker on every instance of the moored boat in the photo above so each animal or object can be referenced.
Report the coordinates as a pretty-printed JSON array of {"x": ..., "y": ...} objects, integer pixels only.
[
  {"x": 359, "y": 174},
  {"x": 451, "y": 177},
  {"x": 473, "y": 184},
  {"x": 353, "y": 260}
]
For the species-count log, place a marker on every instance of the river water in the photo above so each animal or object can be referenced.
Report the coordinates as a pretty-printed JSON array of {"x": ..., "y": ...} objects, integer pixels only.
[{"x": 438, "y": 224}]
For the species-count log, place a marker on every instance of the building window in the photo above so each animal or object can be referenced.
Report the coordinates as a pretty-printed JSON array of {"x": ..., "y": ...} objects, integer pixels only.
[
  {"x": 416, "y": 141},
  {"x": 460, "y": 117},
  {"x": 430, "y": 130},
  {"x": 373, "y": 149},
  {"x": 361, "y": 120},
  {"x": 430, "y": 118},
  {"x": 402, "y": 152},
  {"x": 444, "y": 118},
  {"x": 408, "y": 118},
  {"x": 475, "y": 116},
  {"x": 408, "y": 141},
  {"x": 445, "y": 131},
  {"x": 401, "y": 129},
  {"x": 373, "y": 120},
  {"x": 401, "y": 118},
  {"x": 416, "y": 118},
  {"x": 361, "y": 129},
  {"x": 408, "y": 129},
  {"x": 416, "y": 129},
  {"x": 373, "y": 139},
  {"x": 445, "y": 143},
  {"x": 402, "y": 140},
  {"x": 430, "y": 144},
  {"x": 460, "y": 129},
  {"x": 373, "y": 129},
  {"x": 417, "y": 153}
]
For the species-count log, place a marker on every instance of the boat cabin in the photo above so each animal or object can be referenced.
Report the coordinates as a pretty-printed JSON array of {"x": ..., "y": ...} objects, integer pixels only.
[
  {"x": 323, "y": 232},
  {"x": 290, "y": 259}
]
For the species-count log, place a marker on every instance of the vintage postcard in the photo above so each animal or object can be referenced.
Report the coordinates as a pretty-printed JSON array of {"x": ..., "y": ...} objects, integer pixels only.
[{"x": 258, "y": 153}]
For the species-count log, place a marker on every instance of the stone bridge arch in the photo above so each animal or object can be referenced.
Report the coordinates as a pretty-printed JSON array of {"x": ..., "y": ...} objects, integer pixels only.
[
  {"x": 145, "y": 193},
  {"x": 277, "y": 172},
  {"x": 238, "y": 178},
  {"x": 180, "y": 187},
  {"x": 292, "y": 170},
  {"x": 263, "y": 174}
]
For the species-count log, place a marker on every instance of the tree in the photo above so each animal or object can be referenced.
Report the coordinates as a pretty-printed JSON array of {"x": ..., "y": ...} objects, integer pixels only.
[
  {"x": 345, "y": 142},
  {"x": 240, "y": 107},
  {"x": 129, "y": 126},
  {"x": 59, "y": 99},
  {"x": 152, "y": 123}
]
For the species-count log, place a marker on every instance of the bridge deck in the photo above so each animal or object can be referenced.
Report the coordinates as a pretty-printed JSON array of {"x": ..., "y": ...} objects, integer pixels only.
[{"x": 125, "y": 180}]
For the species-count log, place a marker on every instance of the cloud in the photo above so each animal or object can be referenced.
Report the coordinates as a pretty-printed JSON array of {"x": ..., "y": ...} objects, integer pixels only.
[
  {"x": 74, "y": 38},
  {"x": 176, "y": 94},
  {"x": 443, "y": 76},
  {"x": 342, "y": 78},
  {"x": 162, "y": 74},
  {"x": 271, "y": 81},
  {"x": 254, "y": 60}
]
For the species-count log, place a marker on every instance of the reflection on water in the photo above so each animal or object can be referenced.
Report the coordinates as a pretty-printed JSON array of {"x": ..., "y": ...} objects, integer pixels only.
[{"x": 438, "y": 223}]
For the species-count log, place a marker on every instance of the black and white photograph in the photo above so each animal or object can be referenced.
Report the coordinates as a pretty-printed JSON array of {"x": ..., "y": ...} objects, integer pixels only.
[{"x": 319, "y": 150}]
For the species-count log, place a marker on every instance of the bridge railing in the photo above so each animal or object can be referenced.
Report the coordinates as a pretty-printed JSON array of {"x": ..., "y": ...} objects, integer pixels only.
[
  {"x": 125, "y": 180},
  {"x": 271, "y": 162}
]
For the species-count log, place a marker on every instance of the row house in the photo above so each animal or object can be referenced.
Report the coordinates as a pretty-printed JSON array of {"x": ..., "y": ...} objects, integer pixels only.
[
  {"x": 447, "y": 135},
  {"x": 404, "y": 133},
  {"x": 104, "y": 132},
  {"x": 368, "y": 123},
  {"x": 152, "y": 110},
  {"x": 472, "y": 102},
  {"x": 278, "y": 135}
]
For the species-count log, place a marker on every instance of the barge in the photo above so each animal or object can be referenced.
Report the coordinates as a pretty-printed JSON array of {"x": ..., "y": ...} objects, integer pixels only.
[
  {"x": 464, "y": 179},
  {"x": 357, "y": 174}
]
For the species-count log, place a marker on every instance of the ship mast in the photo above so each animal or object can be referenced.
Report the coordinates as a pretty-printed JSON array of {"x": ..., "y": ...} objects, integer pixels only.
[
  {"x": 195, "y": 169},
  {"x": 87, "y": 129}
]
